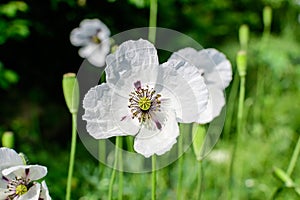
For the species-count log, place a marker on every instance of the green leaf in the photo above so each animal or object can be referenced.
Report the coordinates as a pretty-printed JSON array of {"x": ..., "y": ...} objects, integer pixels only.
[
  {"x": 11, "y": 76},
  {"x": 198, "y": 132},
  {"x": 283, "y": 177},
  {"x": 10, "y": 9}
]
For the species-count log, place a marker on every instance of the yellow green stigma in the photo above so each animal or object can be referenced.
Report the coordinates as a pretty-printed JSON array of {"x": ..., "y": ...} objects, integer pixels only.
[
  {"x": 144, "y": 103},
  {"x": 21, "y": 189}
]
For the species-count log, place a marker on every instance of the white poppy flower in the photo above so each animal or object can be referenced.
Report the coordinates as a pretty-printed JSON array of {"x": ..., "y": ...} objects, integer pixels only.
[
  {"x": 18, "y": 181},
  {"x": 217, "y": 72},
  {"x": 144, "y": 99},
  {"x": 93, "y": 37}
]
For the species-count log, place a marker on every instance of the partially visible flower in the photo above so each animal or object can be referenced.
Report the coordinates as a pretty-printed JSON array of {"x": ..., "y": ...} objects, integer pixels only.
[
  {"x": 144, "y": 99},
  {"x": 217, "y": 72},
  {"x": 19, "y": 181},
  {"x": 93, "y": 37}
]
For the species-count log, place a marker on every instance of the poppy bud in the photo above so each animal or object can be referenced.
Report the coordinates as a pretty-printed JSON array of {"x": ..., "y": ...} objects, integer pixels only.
[
  {"x": 71, "y": 91},
  {"x": 241, "y": 61},
  {"x": 8, "y": 139}
]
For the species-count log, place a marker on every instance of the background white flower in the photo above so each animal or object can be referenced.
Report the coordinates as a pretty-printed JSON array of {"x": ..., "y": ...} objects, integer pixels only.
[
  {"x": 217, "y": 72},
  {"x": 93, "y": 37},
  {"x": 18, "y": 181},
  {"x": 144, "y": 99}
]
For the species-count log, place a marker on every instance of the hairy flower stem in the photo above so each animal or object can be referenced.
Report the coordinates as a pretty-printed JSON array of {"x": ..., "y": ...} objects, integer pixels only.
[
  {"x": 102, "y": 143},
  {"x": 101, "y": 153},
  {"x": 231, "y": 104},
  {"x": 121, "y": 175},
  {"x": 152, "y": 21},
  {"x": 151, "y": 38},
  {"x": 239, "y": 131},
  {"x": 113, "y": 174},
  {"x": 294, "y": 158},
  {"x": 200, "y": 179},
  {"x": 180, "y": 167},
  {"x": 72, "y": 156},
  {"x": 153, "y": 192}
]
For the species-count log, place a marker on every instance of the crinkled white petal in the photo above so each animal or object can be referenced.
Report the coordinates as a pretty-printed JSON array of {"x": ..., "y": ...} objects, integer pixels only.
[
  {"x": 187, "y": 54},
  {"x": 95, "y": 53},
  {"x": 32, "y": 194},
  {"x": 77, "y": 38},
  {"x": 189, "y": 97},
  {"x": 3, "y": 194},
  {"x": 122, "y": 115},
  {"x": 94, "y": 25},
  {"x": 223, "y": 67},
  {"x": 98, "y": 113},
  {"x": 213, "y": 64},
  {"x": 87, "y": 50},
  {"x": 89, "y": 27},
  {"x": 153, "y": 141},
  {"x": 215, "y": 104},
  {"x": 9, "y": 158},
  {"x": 36, "y": 172},
  {"x": 3, "y": 183},
  {"x": 130, "y": 55},
  {"x": 196, "y": 82},
  {"x": 44, "y": 195},
  {"x": 147, "y": 75}
]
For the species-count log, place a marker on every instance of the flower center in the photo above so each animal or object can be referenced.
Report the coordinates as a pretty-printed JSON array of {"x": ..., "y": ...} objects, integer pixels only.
[
  {"x": 95, "y": 39},
  {"x": 21, "y": 189},
  {"x": 143, "y": 102}
]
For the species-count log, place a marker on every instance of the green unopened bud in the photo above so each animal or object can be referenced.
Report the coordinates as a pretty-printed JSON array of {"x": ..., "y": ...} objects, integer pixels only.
[
  {"x": 244, "y": 36},
  {"x": 267, "y": 16},
  {"x": 71, "y": 91},
  {"x": 114, "y": 48},
  {"x": 8, "y": 139},
  {"x": 241, "y": 61},
  {"x": 81, "y": 3},
  {"x": 198, "y": 132}
]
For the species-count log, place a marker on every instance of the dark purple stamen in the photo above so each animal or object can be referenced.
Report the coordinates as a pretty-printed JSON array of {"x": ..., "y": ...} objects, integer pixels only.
[
  {"x": 27, "y": 171},
  {"x": 123, "y": 118},
  {"x": 4, "y": 178},
  {"x": 138, "y": 85},
  {"x": 158, "y": 124}
]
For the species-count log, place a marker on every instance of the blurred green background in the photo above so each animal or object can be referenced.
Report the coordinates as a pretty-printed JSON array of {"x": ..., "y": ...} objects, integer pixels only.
[{"x": 35, "y": 52}]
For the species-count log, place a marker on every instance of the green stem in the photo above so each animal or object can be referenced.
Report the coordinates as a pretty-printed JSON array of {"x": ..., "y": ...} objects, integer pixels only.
[
  {"x": 121, "y": 175},
  {"x": 239, "y": 130},
  {"x": 200, "y": 180},
  {"x": 101, "y": 153},
  {"x": 180, "y": 166},
  {"x": 129, "y": 142},
  {"x": 153, "y": 192},
  {"x": 294, "y": 158},
  {"x": 113, "y": 174},
  {"x": 151, "y": 38},
  {"x": 152, "y": 21},
  {"x": 241, "y": 104},
  {"x": 72, "y": 156},
  {"x": 231, "y": 104}
]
